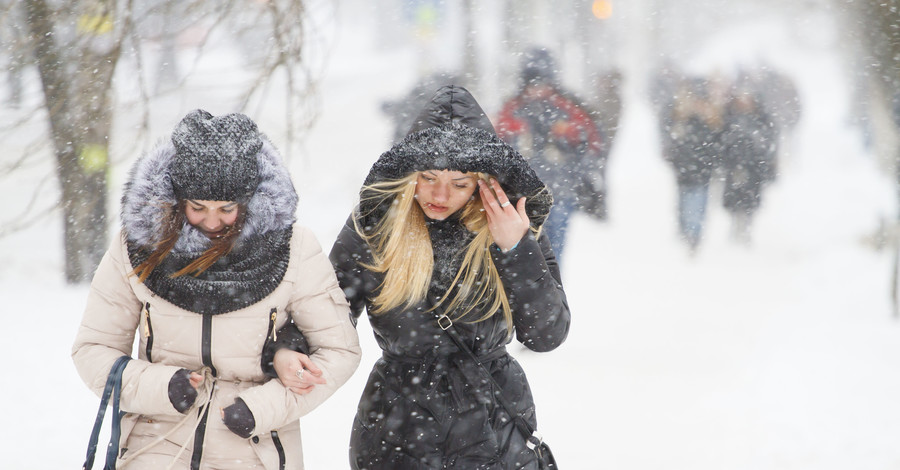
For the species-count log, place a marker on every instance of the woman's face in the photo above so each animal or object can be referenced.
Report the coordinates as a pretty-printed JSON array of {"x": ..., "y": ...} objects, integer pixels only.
[
  {"x": 441, "y": 193},
  {"x": 213, "y": 218}
]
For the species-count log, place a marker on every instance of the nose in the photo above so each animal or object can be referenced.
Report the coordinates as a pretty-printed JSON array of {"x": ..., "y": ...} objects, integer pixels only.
[
  {"x": 212, "y": 223},
  {"x": 441, "y": 193}
]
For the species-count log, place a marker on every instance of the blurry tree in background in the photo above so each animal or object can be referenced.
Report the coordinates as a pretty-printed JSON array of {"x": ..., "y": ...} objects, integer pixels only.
[
  {"x": 76, "y": 48},
  {"x": 76, "y": 51},
  {"x": 872, "y": 42}
]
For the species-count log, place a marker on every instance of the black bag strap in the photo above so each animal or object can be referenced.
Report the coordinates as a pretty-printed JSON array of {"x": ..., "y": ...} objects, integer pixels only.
[
  {"x": 533, "y": 439},
  {"x": 113, "y": 387}
]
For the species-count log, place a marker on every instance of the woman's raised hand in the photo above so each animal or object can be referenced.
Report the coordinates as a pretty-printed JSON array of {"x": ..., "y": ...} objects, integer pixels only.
[
  {"x": 297, "y": 371},
  {"x": 508, "y": 223}
]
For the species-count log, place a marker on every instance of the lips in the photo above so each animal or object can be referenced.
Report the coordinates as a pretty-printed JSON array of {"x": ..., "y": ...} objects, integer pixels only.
[
  {"x": 217, "y": 234},
  {"x": 436, "y": 208}
]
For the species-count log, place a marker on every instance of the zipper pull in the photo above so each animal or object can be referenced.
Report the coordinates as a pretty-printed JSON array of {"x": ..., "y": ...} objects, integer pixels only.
[
  {"x": 272, "y": 318},
  {"x": 145, "y": 319}
]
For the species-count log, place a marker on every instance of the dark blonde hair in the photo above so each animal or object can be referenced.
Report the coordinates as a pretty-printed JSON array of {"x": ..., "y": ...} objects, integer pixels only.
[{"x": 173, "y": 220}]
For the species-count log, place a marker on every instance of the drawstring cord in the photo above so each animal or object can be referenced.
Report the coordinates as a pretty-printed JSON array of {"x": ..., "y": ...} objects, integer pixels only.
[{"x": 207, "y": 387}]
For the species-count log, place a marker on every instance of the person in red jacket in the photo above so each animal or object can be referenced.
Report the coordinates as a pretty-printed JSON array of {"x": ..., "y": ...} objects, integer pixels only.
[{"x": 561, "y": 140}]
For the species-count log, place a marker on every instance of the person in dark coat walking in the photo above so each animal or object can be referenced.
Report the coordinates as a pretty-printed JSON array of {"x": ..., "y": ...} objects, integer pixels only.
[
  {"x": 749, "y": 160},
  {"x": 691, "y": 133},
  {"x": 560, "y": 138},
  {"x": 449, "y": 222}
]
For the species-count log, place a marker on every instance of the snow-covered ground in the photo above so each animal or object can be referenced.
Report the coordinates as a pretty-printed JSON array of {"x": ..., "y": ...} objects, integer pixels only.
[{"x": 778, "y": 356}]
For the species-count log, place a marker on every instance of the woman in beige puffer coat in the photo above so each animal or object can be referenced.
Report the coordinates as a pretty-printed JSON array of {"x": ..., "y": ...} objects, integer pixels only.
[{"x": 209, "y": 265}]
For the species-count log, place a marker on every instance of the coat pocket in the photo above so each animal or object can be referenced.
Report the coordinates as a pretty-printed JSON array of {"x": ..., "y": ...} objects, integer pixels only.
[{"x": 279, "y": 449}]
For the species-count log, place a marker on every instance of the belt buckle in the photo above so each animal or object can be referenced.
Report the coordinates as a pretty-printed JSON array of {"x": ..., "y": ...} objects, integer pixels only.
[{"x": 444, "y": 322}]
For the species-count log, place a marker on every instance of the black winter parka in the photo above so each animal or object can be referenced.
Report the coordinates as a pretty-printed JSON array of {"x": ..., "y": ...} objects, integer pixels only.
[{"x": 426, "y": 404}]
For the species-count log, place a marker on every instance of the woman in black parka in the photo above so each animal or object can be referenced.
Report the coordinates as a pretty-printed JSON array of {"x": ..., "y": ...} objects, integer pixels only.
[{"x": 448, "y": 222}]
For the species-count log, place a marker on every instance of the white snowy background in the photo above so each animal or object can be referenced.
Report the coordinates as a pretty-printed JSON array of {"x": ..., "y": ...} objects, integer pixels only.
[{"x": 780, "y": 355}]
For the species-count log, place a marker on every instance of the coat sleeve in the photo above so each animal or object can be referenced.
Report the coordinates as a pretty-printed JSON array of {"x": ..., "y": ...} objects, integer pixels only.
[
  {"x": 347, "y": 254},
  {"x": 530, "y": 275},
  {"x": 320, "y": 310},
  {"x": 107, "y": 330}
]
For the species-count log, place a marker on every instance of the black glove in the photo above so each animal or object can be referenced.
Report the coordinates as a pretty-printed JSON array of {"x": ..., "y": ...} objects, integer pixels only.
[
  {"x": 181, "y": 393},
  {"x": 239, "y": 418}
]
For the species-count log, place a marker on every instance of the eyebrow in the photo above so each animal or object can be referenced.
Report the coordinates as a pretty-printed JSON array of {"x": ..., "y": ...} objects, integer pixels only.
[
  {"x": 230, "y": 204},
  {"x": 463, "y": 177}
]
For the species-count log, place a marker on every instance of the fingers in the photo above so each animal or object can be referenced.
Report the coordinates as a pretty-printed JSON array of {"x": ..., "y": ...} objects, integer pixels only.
[
  {"x": 502, "y": 198},
  {"x": 520, "y": 208},
  {"x": 304, "y": 386},
  {"x": 493, "y": 198},
  {"x": 196, "y": 379},
  {"x": 309, "y": 365},
  {"x": 304, "y": 376},
  {"x": 310, "y": 378}
]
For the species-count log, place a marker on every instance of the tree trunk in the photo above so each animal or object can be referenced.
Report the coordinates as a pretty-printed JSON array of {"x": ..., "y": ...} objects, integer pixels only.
[{"x": 76, "y": 79}]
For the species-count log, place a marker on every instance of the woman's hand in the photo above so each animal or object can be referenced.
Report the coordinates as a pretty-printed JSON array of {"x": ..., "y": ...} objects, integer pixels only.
[
  {"x": 297, "y": 371},
  {"x": 507, "y": 223}
]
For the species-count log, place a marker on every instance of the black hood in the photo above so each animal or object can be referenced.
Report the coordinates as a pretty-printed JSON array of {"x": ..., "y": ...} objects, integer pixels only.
[{"x": 453, "y": 133}]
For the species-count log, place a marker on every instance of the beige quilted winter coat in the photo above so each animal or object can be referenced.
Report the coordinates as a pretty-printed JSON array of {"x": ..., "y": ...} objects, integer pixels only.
[{"x": 171, "y": 338}]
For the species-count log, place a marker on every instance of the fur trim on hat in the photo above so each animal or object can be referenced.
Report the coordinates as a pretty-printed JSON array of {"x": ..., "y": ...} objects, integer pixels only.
[{"x": 149, "y": 191}]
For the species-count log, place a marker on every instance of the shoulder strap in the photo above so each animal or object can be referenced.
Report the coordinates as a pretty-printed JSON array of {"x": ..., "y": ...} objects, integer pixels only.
[
  {"x": 532, "y": 437},
  {"x": 113, "y": 387}
]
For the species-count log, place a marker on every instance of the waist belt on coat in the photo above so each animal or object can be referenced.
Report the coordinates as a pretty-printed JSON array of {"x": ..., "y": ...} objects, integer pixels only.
[{"x": 431, "y": 377}]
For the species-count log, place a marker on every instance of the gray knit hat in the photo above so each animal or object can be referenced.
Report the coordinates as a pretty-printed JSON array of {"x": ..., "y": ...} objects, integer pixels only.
[{"x": 215, "y": 157}]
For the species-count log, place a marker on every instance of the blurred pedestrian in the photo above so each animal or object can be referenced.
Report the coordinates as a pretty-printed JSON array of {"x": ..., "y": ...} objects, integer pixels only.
[
  {"x": 404, "y": 110},
  {"x": 609, "y": 107},
  {"x": 560, "y": 138},
  {"x": 779, "y": 96},
  {"x": 749, "y": 158},
  {"x": 691, "y": 144},
  {"x": 210, "y": 263}
]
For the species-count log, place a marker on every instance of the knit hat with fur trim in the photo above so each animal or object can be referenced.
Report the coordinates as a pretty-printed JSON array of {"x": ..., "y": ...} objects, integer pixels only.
[{"x": 215, "y": 157}]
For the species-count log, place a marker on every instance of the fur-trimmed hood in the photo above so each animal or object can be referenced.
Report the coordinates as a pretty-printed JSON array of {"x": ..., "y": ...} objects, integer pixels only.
[
  {"x": 149, "y": 191},
  {"x": 453, "y": 133},
  {"x": 256, "y": 264}
]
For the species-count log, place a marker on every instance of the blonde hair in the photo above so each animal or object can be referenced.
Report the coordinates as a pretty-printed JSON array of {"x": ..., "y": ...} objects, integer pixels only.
[{"x": 402, "y": 250}]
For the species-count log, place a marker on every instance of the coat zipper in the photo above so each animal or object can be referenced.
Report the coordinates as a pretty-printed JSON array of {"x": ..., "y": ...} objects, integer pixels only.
[
  {"x": 273, "y": 315},
  {"x": 279, "y": 448},
  {"x": 206, "y": 356},
  {"x": 199, "y": 436},
  {"x": 148, "y": 330},
  {"x": 206, "y": 345}
]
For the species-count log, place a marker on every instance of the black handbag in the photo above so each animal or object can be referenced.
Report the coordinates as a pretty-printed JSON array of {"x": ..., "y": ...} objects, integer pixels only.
[
  {"x": 114, "y": 388},
  {"x": 533, "y": 439}
]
